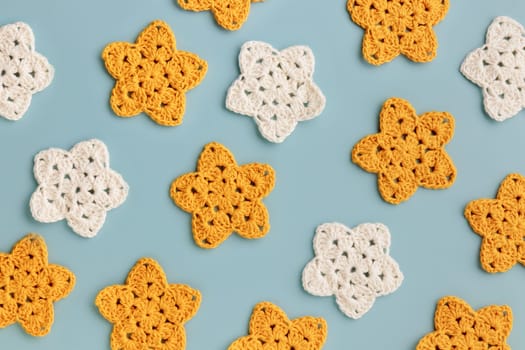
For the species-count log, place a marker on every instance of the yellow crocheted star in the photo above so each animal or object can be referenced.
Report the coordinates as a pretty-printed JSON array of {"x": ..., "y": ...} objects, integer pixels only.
[
  {"x": 229, "y": 14},
  {"x": 152, "y": 75},
  {"x": 224, "y": 197},
  {"x": 398, "y": 27},
  {"x": 408, "y": 151},
  {"x": 147, "y": 312},
  {"x": 270, "y": 328},
  {"x": 29, "y": 285},
  {"x": 461, "y": 328},
  {"x": 501, "y": 223}
]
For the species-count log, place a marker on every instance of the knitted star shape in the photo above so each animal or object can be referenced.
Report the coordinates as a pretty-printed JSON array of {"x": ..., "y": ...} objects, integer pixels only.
[
  {"x": 398, "y": 27},
  {"x": 498, "y": 67},
  {"x": 459, "y": 327},
  {"x": 147, "y": 312},
  {"x": 276, "y": 88},
  {"x": 501, "y": 223},
  {"x": 76, "y": 185},
  {"x": 352, "y": 264},
  {"x": 229, "y": 14},
  {"x": 23, "y": 71},
  {"x": 408, "y": 151},
  {"x": 270, "y": 328},
  {"x": 29, "y": 286},
  {"x": 224, "y": 197},
  {"x": 152, "y": 75}
]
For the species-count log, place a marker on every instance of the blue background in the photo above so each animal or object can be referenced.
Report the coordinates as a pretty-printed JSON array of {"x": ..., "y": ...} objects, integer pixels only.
[{"x": 316, "y": 181}]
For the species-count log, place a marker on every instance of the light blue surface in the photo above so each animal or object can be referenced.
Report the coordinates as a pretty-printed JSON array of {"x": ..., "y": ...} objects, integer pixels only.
[{"x": 316, "y": 181}]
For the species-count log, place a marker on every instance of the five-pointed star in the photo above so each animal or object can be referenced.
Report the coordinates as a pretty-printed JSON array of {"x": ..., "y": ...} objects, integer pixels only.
[
  {"x": 147, "y": 312},
  {"x": 270, "y": 328},
  {"x": 152, "y": 75},
  {"x": 29, "y": 285},
  {"x": 224, "y": 197},
  {"x": 23, "y": 70}
]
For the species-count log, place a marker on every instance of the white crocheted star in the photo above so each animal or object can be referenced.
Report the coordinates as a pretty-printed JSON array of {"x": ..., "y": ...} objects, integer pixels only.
[
  {"x": 23, "y": 71},
  {"x": 275, "y": 88},
  {"x": 352, "y": 264},
  {"x": 498, "y": 67},
  {"x": 77, "y": 186}
]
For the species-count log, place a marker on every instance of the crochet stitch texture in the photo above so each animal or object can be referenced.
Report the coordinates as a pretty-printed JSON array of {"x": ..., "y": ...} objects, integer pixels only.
[
  {"x": 29, "y": 286},
  {"x": 501, "y": 223},
  {"x": 352, "y": 264},
  {"x": 224, "y": 197},
  {"x": 147, "y": 312},
  {"x": 276, "y": 88},
  {"x": 396, "y": 27},
  {"x": 498, "y": 67},
  {"x": 152, "y": 76},
  {"x": 76, "y": 185},
  {"x": 229, "y": 14},
  {"x": 408, "y": 151},
  {"x": 459, "y": 327},
  {"x": 23, "y": 71},
  {"x": 270, "y": 328}
]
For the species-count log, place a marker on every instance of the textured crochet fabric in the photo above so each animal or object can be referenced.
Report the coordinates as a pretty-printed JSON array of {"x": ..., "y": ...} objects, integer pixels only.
[
  {"x": 271, "y": 329},
  {"x": 461, "y": 328},
  {"x": 501, "y": 223},
  {"x": 498, "y": 67},
  {"x": 29, "y": 286},
  {"x": 224, "y": 197},
  {"x": 76, "y": 185},
  {"x": 152, "y": 76},
  {"x": 147, "y": 312},
  {"x": 23, "y": 71},
  {"x": 396, "y": 27},
  {"x": 276, "y": 88},
  {"x": 229, "y": 14},
  {"x": 408, "y": 151},
  {"x": 352, "y": 264}
]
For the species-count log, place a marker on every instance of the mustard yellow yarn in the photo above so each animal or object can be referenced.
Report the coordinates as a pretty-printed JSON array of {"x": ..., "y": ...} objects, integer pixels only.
[
  {"x": 224, "y": 197},
  {"x": 501, "y": 223},
  {"x": 29, "y": 285},
  {"x": 152, "y": 76},
  {"x": 147, "y": 312},
  {"x": 229, "y": 14},
  {"x": 459, "y": 327},
  {"x": 396, "y": 27},
  {"x": 270, "y": 329},
  {"x": 408, "y": 151}
]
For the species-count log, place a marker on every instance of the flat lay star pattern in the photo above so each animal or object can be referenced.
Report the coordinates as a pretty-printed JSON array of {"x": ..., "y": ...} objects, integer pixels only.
[
  {"x": 152, "y": 76},
  {"x": 224, "y": 197},
  {"x": 501, "y": 223},
  {"x": 23, "y": 71},
  {"x": 352, "y": 264},
  {"x": 498, "y": 67},
  {"x": 276, "y": 88},
  {"x": 396, "y": 27},
  {"x": 76, "y": 185},
  {"x": 270, "y": 329},
  {"x": 458, "y": 326},
  {"x": 147, "y": 312},
  {"x": 229, "y": 14},
  {"x": 29, "y": 285},
  {"x": 408, "y": 152}
]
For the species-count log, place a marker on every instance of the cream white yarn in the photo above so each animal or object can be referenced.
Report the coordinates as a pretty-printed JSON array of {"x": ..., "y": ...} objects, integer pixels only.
[
  {"x": 77, "y": 186},
  {"x": 352, "y": 264},
  {"x": 23, "y": 71},
  {"x": 275, "y": 88},
  {"x": 498, "y": 67}
]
